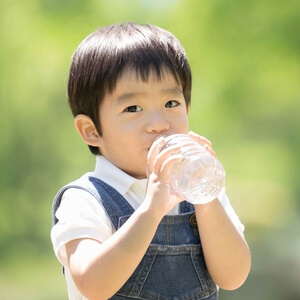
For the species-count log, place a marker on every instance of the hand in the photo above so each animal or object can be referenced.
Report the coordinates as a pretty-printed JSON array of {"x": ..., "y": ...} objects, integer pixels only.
[
  {"x": 159, "y": 167},
  {"x": 204, "y": 142}
]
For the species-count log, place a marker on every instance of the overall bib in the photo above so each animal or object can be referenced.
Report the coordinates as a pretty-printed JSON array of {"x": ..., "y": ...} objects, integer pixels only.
[{"x": 173, "y": 267}]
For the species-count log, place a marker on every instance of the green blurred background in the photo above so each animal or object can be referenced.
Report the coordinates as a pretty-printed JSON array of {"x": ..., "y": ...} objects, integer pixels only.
[{"x": 245, "y": 58}]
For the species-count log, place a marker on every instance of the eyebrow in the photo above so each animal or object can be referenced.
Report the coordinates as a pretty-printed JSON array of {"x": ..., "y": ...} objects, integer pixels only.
[
  {"x": 173, "y": 90},
  {"x": 128, "y": 96},
  {"x": 169, "y": 91}
]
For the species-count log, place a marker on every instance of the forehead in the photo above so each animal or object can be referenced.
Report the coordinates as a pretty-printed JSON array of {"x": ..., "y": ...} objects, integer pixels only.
[
  {"x": 131, "y": 85},
  {"x": 135, "y": 76}
]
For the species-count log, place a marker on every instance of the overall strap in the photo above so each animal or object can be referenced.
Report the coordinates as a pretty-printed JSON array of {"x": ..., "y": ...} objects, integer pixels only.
[
  {"x": 113, "y": 202},
  {"x": 186, "y": 207}
]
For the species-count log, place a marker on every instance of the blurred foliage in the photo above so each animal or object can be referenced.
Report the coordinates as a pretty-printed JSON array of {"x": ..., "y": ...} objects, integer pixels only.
[{"x": 245, "y": 58}]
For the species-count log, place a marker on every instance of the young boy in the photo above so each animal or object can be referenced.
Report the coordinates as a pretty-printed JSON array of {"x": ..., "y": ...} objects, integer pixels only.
[{"x": 120, "y": 232}]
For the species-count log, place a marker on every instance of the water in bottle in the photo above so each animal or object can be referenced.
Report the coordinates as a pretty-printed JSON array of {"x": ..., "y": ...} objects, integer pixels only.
[{"x": 198, "y": 177}]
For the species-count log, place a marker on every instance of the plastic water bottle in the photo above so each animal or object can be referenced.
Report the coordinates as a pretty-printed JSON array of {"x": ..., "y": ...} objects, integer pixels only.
[{"x": 198, "y": 177}]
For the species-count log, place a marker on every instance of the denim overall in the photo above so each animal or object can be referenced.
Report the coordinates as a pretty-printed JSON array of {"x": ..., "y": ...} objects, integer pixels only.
[{"x": 173, "y": 267}]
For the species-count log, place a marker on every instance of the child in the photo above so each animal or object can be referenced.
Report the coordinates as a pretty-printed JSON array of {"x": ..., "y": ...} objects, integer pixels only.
[{"x": 120, "y": 232}]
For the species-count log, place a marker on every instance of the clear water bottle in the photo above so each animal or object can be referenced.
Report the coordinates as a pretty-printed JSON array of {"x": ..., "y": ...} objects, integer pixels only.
[{"x": 199, "y": 177}]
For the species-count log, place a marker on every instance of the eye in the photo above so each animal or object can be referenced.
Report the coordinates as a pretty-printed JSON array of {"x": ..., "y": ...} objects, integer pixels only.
[
  {"x": 172, "y": 103},
  {"x": 133, "y": 108}
]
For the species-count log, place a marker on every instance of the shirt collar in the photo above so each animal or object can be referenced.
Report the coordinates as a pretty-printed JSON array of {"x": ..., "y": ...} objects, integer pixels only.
[{"x": 116, "y": 178}]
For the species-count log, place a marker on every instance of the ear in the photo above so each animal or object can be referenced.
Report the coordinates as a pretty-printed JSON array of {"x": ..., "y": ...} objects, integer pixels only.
[{"x": 87, "y": 130}]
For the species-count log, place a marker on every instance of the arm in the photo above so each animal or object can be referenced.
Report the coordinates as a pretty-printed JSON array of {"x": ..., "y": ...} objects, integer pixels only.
[
  {"x": 226, "y": 252},
  {"x": 99, "y": 270}
]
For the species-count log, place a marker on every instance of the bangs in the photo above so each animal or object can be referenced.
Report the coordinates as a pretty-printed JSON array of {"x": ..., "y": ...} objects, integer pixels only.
[
  {"x": 102, "y": 58},
  {"x": 141, "y": 58}
]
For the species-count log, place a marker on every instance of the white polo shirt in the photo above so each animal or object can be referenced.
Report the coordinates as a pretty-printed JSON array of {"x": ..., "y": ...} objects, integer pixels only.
[{"x": 81, "y": 216}]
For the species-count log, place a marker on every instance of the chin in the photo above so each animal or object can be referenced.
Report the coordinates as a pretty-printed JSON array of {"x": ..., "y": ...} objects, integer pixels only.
[
  {"x": 140, "y": 176},
  {"x": 135, "y": 174}
]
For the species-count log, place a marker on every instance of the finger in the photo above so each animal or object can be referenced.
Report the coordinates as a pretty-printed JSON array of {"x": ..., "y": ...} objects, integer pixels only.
[
  {"x": 164, "y": 156},
  {"x": 200, "y": 139},
  {"x": 209, "y": 150},
  {"x": 167, "y": 167},
  {"x": 153, "y": 152},
  {"x": 204, "y": 142}
]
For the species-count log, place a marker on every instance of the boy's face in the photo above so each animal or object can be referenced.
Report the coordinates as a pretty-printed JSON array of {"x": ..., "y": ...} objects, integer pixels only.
[{"x": 135, "y": 114}]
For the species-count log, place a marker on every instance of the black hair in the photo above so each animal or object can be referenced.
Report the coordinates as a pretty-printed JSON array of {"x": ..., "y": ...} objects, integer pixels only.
[{"x": 103, "y": 56}]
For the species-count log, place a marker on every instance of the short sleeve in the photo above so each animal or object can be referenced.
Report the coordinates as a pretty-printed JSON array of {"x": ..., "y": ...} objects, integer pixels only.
[
  {"x": 231, "y": 213},
  {"x": 79, "y": 215}
]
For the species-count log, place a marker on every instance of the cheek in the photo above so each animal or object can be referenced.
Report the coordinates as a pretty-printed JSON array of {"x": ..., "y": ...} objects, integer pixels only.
[
  {"x": 120, "y": 148},
  {"x": 130, "y": 127},
  {"x": 182, "y": 124}
]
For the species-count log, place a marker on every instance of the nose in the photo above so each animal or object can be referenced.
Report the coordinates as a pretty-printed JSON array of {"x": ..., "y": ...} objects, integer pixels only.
[{"x": 156, "y": 122}]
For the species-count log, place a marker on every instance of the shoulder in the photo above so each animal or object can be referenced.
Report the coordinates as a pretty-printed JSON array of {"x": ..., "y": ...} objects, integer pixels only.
[
  {"x": 79, "y": 215},
  {"x": 79, "y": 189}
]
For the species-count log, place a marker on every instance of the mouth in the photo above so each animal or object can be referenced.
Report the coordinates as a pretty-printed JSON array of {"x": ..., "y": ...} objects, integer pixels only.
[{"x": 159, "y": 136}]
